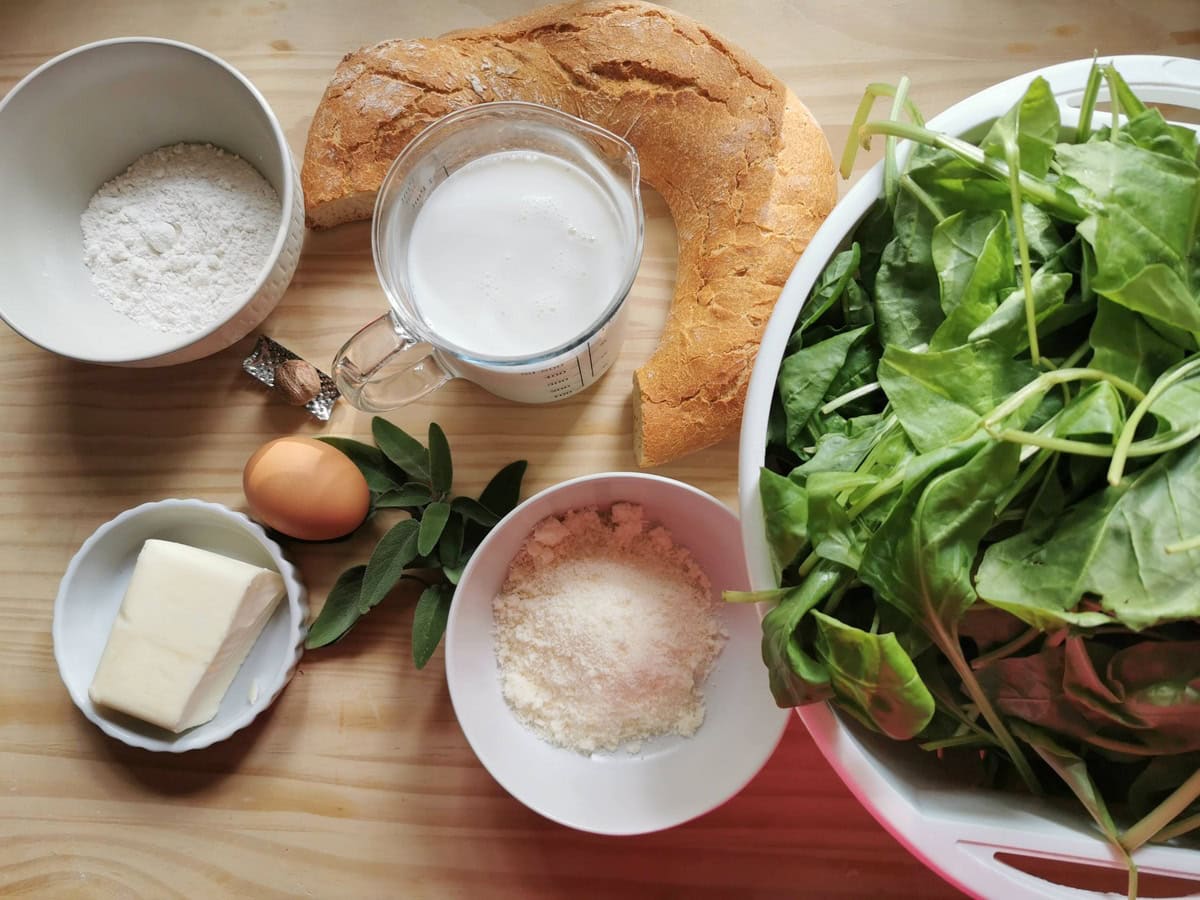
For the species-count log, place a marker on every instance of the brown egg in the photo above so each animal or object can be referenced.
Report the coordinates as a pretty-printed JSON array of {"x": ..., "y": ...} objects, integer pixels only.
[{"x": 305, "y": 489}]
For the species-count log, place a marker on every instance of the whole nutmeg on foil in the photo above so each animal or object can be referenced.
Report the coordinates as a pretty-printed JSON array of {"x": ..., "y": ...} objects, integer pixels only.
[
  {"x": 295, "y": 380},
  {"x": 298, "y": 381}
]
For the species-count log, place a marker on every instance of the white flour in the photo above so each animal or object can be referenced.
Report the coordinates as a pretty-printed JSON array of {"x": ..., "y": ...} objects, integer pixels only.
[
  {"x": 179, "y": 236},
  {"x": 605, "y": 631}
]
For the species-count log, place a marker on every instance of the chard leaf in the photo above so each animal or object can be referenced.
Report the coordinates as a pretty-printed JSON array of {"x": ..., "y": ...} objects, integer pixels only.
[
  {"x": 1161, "y": 776},
  {"x": 1111, "y": 546},
  {"x": 1140, "y": 701},
  {"x": 805, "y": 378},
  {"x": 1142, "y": 225},
  {"x": 872, "y": 675},
  {"x": 785, "y": 510},
  {"x": 973, "y": 256},
  {"x": 940, "y": 396},
  {"x": 429, "y": 621},
  {"x": 1034, "y": 121},
  {"x": 341, "y": 609}
]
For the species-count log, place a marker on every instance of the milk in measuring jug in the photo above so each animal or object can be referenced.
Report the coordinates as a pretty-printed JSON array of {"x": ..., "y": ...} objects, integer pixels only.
[{"x": 516, "y": 253}]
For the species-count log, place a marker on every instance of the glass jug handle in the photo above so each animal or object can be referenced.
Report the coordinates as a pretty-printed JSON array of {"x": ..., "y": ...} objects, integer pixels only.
[{"x": 383, "y": 367}]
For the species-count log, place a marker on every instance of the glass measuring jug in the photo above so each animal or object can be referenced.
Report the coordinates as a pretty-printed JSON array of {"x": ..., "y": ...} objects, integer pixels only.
[{"x": 399, "y": 357}]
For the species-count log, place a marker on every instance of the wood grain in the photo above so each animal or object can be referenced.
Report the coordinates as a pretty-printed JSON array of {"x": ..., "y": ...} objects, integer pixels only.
[{"x": 358, "y": 783}]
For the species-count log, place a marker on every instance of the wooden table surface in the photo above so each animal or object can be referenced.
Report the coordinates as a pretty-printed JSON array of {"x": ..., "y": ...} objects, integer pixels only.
[{"x": 358, "y": 782}]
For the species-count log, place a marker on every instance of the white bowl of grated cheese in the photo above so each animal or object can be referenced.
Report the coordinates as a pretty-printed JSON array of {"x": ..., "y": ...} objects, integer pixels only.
[
  {"x": 643, "y": 785},
  {"x": 202, "y": 256}
]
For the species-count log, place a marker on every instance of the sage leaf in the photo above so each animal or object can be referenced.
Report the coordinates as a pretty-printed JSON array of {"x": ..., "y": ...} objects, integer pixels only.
[
  {"x": 401, "y": 448},
  {"x": 474, "y": 511},
  {"x": 450, "y": 544},
  {"x": 392, "y": 555},
  {"x": 429, "y": 621},
  {"x": 409, "y": 495},
  {"x": 504, "y": 490},
  {"x": 381, "y": 476},
  {"x": 441, "y": 469},
  {"x": 340, "y": 611},
  {"x": 433, "y": 522}
]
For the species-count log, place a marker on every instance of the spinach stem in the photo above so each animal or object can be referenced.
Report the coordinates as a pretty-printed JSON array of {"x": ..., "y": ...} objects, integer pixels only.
[
  {"x": 885, "y": 487},
  {"x": 873, "y": 90},
  {"x": 1035, "y": 189},
  {"x": 1185, "y": 546},
  {"x": 906, "y": 182},
  {"x": 1044, "y": 382},
  {"x": 958, "y": 740},
  {"x": 891, "y": 165},
  {"x": 1162, "y": 815},
  {"x": 1175, "y": 829},
  {"x": 1022, "y": 640},
  {"x": 947, "y": 641},
  {"x": 1170, "y": 377},
  {"x": 849, "y": 397},
  {"x": 1012, "y": 156},
  {"x": 1058, "y": 445},
  {"x": 1087, "y": 105},
  {"x": 1114, "y": 100}
]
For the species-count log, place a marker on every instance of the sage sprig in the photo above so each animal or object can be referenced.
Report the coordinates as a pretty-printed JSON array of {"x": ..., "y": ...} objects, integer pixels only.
[{"x": 431, "y": 546}]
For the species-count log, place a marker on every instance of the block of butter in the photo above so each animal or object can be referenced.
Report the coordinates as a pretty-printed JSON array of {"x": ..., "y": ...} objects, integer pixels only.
[{"x": 187, "y": 622}]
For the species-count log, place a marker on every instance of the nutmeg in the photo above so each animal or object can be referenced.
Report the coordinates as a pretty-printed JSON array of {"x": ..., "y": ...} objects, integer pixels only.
[{"x": 298, "y": 381}]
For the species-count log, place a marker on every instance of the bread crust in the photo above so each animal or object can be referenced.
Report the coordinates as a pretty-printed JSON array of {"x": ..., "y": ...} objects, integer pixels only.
[{"x": 744, "y": 168}]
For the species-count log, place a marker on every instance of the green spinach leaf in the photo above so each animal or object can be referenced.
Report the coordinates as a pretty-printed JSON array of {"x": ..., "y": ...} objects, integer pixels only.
[{"x": 874, "y": 677}]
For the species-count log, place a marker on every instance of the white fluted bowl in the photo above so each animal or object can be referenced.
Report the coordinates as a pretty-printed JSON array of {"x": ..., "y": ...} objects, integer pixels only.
[{"x": 90, "y": 595}]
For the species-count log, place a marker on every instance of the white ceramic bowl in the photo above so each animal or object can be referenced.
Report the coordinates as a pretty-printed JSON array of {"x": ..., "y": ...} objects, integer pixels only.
[
  {"x": 82, "y": 118},
  {"x": 94, "y": 585},
  {"x": 956, "y": 829},
  {"x": 672, "y": 779}
]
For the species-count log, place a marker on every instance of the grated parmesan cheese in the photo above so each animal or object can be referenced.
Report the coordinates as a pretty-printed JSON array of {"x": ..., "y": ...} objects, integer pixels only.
[{"x": 605, "y": 631}]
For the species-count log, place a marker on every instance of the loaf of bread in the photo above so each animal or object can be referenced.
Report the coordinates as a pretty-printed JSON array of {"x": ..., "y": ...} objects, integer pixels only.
[{"x": 745, "y": 170}]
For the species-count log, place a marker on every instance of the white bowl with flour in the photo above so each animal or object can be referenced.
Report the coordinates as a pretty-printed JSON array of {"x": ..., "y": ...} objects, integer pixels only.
[
  {"x": 81, "y": 120},
  {"x": 655, "y": 783}
]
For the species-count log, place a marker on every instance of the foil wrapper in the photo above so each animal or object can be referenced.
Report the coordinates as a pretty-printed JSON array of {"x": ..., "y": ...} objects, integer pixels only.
[{"x": 269, "y": 354}]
